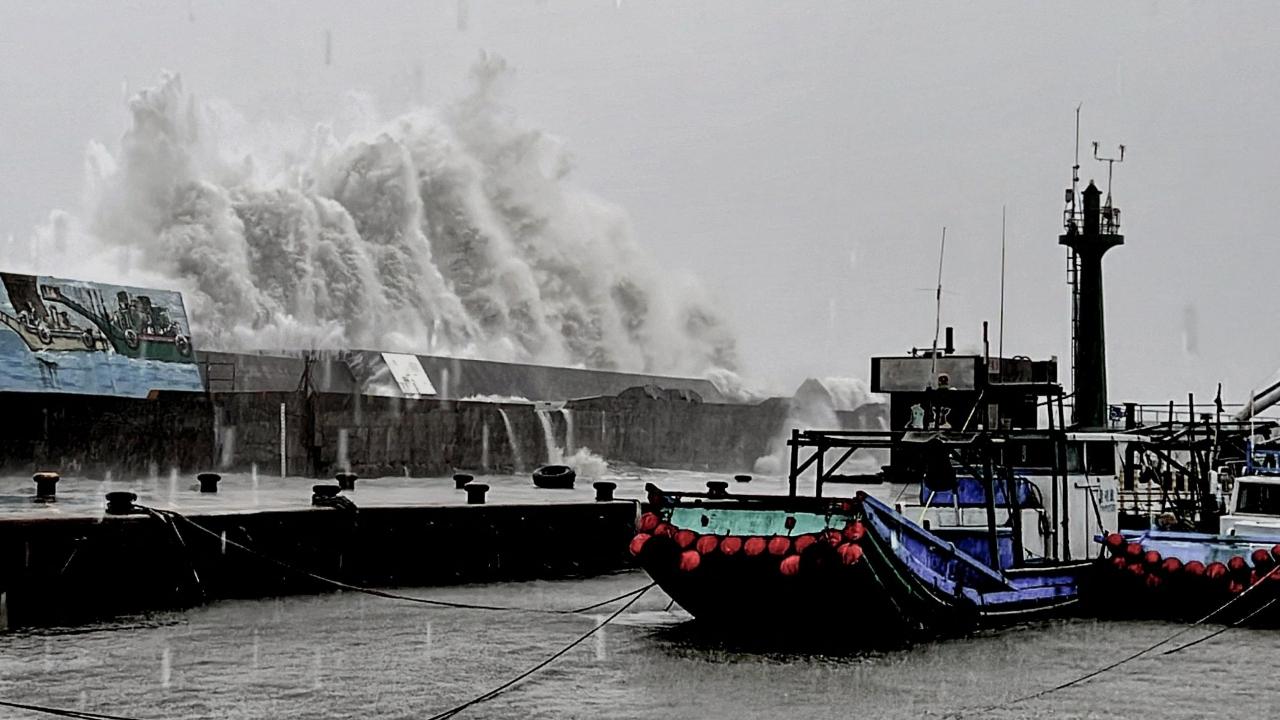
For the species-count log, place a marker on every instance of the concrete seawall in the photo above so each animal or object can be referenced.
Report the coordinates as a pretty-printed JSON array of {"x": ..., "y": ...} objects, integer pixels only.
[
  {"x": 69, "y": 570},
  {"x": 376, "y": 436}
]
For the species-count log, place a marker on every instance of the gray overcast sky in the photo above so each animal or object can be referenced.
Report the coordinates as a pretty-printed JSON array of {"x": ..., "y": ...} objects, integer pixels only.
[{"x": 800, "y": 158}]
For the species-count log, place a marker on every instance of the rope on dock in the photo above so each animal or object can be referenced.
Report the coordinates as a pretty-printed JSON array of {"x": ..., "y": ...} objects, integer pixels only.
[
  {"x": 508, "y": 684},
  {"x": 1133, "y": 656},
  {"x": 170, "y": 514}
]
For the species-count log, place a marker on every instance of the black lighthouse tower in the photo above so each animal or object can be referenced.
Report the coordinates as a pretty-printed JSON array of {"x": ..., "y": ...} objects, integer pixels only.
[{"x": 1090, "y": 233}]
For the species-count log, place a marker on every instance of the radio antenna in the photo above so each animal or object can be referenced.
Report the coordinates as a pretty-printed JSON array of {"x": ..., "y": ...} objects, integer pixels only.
[
  {"x": 1000, "y": 352},
  {"x": 937, "y": 317}
]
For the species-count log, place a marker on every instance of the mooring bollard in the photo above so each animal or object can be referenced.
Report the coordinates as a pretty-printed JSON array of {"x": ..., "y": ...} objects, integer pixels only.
[
  {"x": 742, "y": 478},
  {"x": 46, "y": 485},
  {"x": 209, "y": 482},
  {"x": 475, "y": 493},
  {"x": 121, "y": 502},
  {"x": 604, "y": 490},
  {"x": 322, "y": 493},
  {"x": 717, "y": 488},
  {"x": 460, "y": 480},
  {"x": 346, "y": 480}
]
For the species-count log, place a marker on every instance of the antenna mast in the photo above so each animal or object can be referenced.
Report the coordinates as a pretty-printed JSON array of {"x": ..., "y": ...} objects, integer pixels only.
[
  {"x": 937, "y": 317},
  {"x": 1071, "y": 222},
  {"x": 1000, "y": 352}
]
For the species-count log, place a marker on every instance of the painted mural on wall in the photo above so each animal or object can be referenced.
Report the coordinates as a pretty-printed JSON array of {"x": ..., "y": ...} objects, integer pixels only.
[{"x": 80, "y": 337}]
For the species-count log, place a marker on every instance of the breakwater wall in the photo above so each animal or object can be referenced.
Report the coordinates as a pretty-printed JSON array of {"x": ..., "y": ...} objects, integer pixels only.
[
  {"x": 321, "y": 433},
  {"x": 64, "y": 571}
]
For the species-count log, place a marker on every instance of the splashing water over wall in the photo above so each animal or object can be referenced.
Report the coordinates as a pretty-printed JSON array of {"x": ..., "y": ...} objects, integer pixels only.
[
  {"x": 516, "y": 455},
  {"x": 815, "y": 406},
  {"x": 484, "y": 448},
  {"x": 569, "y": 444},
  {"x": 554, "y": 454},
  {"x": 452, "y": 229}
]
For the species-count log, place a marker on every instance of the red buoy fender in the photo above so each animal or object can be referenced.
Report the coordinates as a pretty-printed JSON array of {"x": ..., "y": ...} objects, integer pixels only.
[
  {"x": 779, "y": 545},
  {"x": 1171, "y": 565},
  {"x": 805, "y": 541},
  {"x": 707, "y": 544},
  {"x": 685, "y": 538},
  {"x": 790, "y": 565},
  {"x": 1151, "y": 557},
  {"x": 850, "y": 554},
  {"x": 1215, "y": 571},
  {"x": 637, "y": 542},
  {"x": 731, "y": 545},
  {"x": 854, "y": 531},
  {"x": 647, "y": 522},
  {"x": 690, "y": 560},
  {"x": 1194, "y": 568},
  {"x": 1114, "y": 543},
  {"x": 753, "y": 546}
]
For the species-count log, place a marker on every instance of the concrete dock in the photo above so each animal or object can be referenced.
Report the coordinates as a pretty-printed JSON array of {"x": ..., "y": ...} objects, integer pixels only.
[{"x": 67, "y": 561}]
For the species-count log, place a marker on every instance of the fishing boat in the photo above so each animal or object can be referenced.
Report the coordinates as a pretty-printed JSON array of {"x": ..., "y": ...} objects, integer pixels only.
[
  {"x": 1006, "y": 501},
  {"x": 999, "y": 527},
  {"x": 1228, "y": 573}
]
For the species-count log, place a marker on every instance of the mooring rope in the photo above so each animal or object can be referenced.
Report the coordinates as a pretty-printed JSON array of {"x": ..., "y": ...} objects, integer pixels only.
[
  {"x": 1131, "y": 657},
  {"x": 62, "y": 712},
  {"x": 1221, "y": 630},
  {"x": 383, "y": 593},
  {"x": 508, "y": 684}
]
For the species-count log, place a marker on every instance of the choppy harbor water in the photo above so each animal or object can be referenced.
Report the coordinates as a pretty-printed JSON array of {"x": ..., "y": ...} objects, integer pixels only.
[{"x": 353, "y": 656}]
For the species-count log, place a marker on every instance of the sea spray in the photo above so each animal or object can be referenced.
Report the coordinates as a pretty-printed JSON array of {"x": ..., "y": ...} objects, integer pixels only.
[
  {"x": 516, "y": 456},
  {"x": 554, "y": 454},
  {"x": 453, "y": 230},
  {"x": 568, "y": 430},
  {"x": 815, "y": 406}
]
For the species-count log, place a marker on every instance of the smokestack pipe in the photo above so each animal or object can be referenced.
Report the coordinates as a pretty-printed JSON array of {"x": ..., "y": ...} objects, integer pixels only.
[{"x": 950, "y": 346}]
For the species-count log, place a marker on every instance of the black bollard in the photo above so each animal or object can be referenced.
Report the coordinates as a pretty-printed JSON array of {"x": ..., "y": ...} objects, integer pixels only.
[
  {"x": 321, "y": 493},
  {"x": 46, "y": 486},
  {"x": 604, "y": 490},
  {"x": 742, "y": 478},
  {"x": 460, "y": 480},
  {"x": 209, "y": 482},
  {"x": 121, "y": 502},
  {"x": 346, "y": 480},
  {"x": 475, "y": 493},
  {"x": 717, "y": 488}
]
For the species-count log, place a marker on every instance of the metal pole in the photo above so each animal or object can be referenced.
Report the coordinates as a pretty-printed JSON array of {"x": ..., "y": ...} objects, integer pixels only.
[
  {"x": 1015, "y": 513},
  {"x": 937, "y": 317},
  {"x": 1053, "y": 486},
  {"x": 1000, "y": 352},
  {"x": 795, "y": 457},
  {"x": 993, "y": 543},
  {"x": 1061, "y": 457}
]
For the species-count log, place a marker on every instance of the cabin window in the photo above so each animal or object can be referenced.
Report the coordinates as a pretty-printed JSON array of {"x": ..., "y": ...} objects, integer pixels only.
[
  {"x": 1258, "y": 499},
  {"x": 1100, "y": 459}
]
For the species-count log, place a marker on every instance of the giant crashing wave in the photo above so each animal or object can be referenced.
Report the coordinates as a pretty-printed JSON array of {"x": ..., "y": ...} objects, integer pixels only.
[{"x": 450, "y": 231}]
